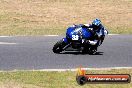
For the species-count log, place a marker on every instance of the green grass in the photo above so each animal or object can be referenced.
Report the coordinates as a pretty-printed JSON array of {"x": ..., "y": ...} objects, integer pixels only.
[
  {"x": 41, "y": 17},
  {"x": 120, "y": 30},
  {"x": 40, "y": 79}
]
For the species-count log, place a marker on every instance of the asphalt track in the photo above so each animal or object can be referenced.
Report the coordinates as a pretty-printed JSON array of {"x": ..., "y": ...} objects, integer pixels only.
[{"x": 35, "y": 53}]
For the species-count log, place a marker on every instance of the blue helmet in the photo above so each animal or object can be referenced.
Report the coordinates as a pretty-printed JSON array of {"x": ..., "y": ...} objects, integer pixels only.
[{"x": 96, "y": 22}]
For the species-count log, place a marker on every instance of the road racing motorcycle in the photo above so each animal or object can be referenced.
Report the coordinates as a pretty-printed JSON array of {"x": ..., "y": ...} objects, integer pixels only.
[{"x": 77, "y": 37}]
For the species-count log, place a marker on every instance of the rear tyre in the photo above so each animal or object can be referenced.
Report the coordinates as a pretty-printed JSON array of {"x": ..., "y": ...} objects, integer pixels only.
[
  {"x": 58, "y": 47},
  {"x": 92, "y": 50}
]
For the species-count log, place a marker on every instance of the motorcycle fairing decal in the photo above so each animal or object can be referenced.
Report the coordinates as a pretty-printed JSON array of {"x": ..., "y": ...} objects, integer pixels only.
[{"x": 75, "y": 37}]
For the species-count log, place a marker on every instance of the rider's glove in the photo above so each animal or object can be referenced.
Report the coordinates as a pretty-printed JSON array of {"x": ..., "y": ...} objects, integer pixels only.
[{"x": 93, "y": 42}]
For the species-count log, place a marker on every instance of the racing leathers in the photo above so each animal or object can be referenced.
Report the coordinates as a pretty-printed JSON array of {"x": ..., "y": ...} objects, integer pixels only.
[{"x": 99, "y": 34}]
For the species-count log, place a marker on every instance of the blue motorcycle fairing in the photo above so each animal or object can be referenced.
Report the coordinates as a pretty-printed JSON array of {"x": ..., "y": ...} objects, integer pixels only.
[
  {"x": 86, "y": 33},
  {"x": 68, "y": 32},
  {"x": 82, "y": 32},
  {"x": 65, "y": 40}
]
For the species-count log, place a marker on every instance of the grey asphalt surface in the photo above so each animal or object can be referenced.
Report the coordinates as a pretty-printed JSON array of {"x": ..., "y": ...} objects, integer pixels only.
[{"x": 34, "y": 53}]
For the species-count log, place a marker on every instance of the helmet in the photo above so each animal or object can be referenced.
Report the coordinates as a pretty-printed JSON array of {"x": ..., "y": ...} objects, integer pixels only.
[{"x": 96, "y": 22}]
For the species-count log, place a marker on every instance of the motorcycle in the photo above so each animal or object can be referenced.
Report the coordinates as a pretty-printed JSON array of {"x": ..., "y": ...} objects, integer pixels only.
[{"x": 77, "y": 37}]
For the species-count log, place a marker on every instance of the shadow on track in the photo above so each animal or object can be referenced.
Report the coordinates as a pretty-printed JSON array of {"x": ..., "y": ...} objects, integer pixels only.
[{"x": 80, "y": 53}]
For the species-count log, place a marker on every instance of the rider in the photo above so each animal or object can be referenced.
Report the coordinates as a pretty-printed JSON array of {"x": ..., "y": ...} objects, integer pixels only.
[{"x": 99, "y": 32}]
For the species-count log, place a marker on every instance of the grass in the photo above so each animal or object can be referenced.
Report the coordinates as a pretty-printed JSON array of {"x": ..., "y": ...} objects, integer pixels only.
[
  {"x": 40, "y": 79},
  {"x": 40, "y": 17}
]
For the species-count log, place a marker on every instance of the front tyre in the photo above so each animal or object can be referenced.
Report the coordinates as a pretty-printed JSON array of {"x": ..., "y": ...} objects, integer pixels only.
[{"x": 58, "y": 47}]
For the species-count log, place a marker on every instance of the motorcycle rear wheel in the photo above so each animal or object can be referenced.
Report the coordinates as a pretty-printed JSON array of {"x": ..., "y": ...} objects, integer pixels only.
[
  {"x": 89, "y": 50},
  {"x": 92, "y": 51}
]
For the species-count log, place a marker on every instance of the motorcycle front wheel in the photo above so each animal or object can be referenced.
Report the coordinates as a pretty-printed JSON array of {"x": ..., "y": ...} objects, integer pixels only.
[{"x": 58, "y": 47}]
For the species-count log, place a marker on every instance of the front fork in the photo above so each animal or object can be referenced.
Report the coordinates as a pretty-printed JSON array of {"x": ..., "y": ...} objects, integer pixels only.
[{"x": 65, "y": 40}]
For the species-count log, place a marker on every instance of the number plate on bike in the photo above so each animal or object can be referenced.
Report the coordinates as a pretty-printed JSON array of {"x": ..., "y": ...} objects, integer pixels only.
[{"x": 75, "y": 37}]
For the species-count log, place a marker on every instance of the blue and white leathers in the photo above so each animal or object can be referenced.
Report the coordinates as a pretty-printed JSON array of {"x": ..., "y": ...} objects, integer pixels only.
[{"x": 101, "y": 31}]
